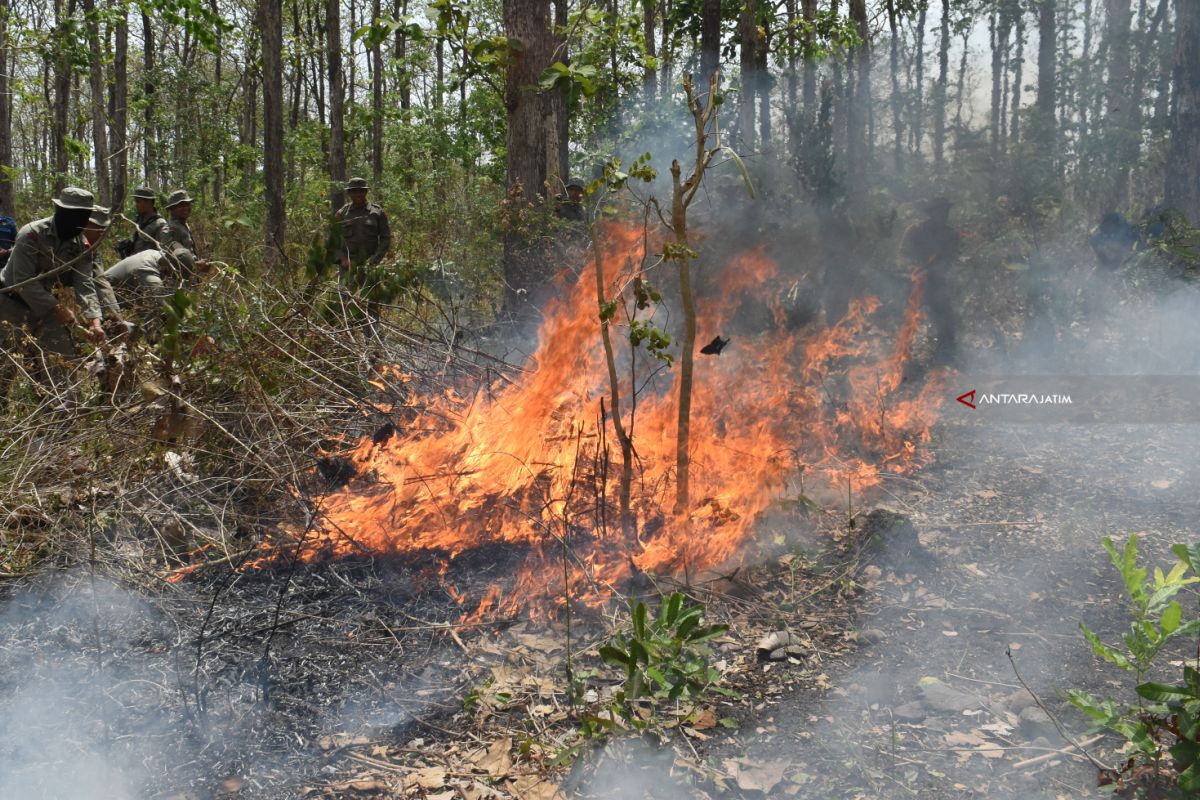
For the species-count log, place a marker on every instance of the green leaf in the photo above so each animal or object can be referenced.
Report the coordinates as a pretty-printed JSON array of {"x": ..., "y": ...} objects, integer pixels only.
[
  {"x": 1103, "y": 650},
  {"x": 1188, "y": 554},
  {"x": 1171, "y": 619},
  {"x": 614, "y": 656}
]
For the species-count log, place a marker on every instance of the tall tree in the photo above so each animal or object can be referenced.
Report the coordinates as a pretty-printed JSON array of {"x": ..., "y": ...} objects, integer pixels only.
[
  {"x": 1182, "y": 190},
  {"x": 1044, "y": 132},
  {"x": 939, "y": 88},
  {"x": 337, "y": 105},
  {"x": 859, "y": 109},
  {"x": 376, "y": 99},
  {"x": 897, "y": 96},
  {"x": 118, "y": 110},
  {"x": 270, "y": 25},
  {"x": 7, "y": 205},
  {"x": 808, "y": 8},
  {"x": 748, "y": 33},
  {"x": 650, "y": 72},
  {"x": 1122, "y": 138},
  {"x": 528, "y": 24},
  {"x": 1018, "y": 68},
  {"x": 710, "y": 39},
  {"x": 99, "y": 101}
]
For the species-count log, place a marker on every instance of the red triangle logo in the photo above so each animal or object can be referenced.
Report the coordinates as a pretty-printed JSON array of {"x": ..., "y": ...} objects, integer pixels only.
[{"x": 967, "y": 399}]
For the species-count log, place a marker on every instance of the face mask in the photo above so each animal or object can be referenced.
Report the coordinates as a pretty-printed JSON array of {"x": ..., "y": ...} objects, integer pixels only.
[{"x": 69, "y": 222}]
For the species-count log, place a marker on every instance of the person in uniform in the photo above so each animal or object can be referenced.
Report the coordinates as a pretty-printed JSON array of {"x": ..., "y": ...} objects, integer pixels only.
[
  {"x": 366, "y": 232},
  {"x": 182, "y": 247},
  {"x": 93, "y": 234},
  {"x": 570, "y": 206},
  {"x": 1114, "y": 240},
  {"x": 150, "y": 229},
  {"x": 48, "y": 252},
  {"x": 931, "y": 247}
]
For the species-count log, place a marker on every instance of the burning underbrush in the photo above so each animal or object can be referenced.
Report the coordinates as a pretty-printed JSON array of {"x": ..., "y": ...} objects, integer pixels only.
[{"x": 529, "y": 465}]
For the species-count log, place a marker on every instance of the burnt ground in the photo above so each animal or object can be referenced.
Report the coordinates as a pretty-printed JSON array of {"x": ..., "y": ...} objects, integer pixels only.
[{"x": 347, "y": 680}]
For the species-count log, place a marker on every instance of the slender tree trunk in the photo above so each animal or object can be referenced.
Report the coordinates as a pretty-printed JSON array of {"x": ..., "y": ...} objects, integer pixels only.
[
  {"x": 98, "y": 111},
  {"x": 557, "y": 148},
  {"x": 764, "y": 85},
  {"x": 1018, "y": 72},
  {"x": 860, "y": 102},
  {"x": 7, "y": 204},
  {"x": 377, "y": 103},
  {"x": 897, "y": 96},
  {"x": 1182, "y": 190},
  {"x": 809, "y": 9},
  {"x": 149, "y": 134},
  {"x": 270, "y": 25},
  {"x": 1119, "y": 99},
  {"x": 401, "y": 50},
  {"x": 119, "y": 112},
  {"x": 1045, "y": 130},
  {"x": 939, "y": 89},
  {"x": 650, "y": 73},
  {"x": 748, "y": 33},
  {"x": 918, "y": 104},
  {"x": 337, "y": 105},
  {"x": 710, "y": 39},
  {"x": 1162, "y": 93},
  {"x": 62, "y": 95}
]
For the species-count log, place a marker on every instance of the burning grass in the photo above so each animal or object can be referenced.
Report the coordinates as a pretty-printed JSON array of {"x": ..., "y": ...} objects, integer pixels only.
[{"x": 528, "y": 462}]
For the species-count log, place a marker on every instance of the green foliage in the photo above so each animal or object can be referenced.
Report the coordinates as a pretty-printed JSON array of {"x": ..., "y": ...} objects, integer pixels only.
[
  {"x": 1171, "y": 723},
  {"x": 654, "y": 338},
  {"x": 176, "y": 311},
  {"x": 664, "y": 657}
]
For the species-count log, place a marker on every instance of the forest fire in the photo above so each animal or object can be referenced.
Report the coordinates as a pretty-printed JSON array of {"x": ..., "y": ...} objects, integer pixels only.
[{"x": 532, "y": 463}]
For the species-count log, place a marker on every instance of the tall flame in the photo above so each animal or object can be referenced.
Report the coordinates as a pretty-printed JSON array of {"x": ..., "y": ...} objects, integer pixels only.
[{"x": 531, "y": 463}]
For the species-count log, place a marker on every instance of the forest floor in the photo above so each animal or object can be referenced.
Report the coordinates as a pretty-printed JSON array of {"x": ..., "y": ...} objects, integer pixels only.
[{"x": 354, "y": 679}]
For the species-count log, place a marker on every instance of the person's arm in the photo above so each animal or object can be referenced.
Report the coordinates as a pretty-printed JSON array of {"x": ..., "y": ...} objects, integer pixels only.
[
  {"x": 385, "y": 237},
  {"x": 86, "y": 297}
]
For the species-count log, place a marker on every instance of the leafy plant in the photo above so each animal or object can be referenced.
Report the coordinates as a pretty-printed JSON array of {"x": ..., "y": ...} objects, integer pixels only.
[
  {"x": 665, "y": 658},
  {"x": 1171, "y": 722}
]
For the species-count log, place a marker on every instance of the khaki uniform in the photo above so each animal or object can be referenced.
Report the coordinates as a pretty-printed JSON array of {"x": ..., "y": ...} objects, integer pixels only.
[
  {"x": 142, "y": 269},
  {"x": 366, "y": 233},
  {"x": 104, "y": 290},
  {"x": 152, "y": 233},
  {"x": 182, "y": 246},
  {"x": 39, "y": 251}
]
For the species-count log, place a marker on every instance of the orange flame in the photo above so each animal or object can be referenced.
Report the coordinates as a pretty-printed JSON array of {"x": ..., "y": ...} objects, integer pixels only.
[{"x": 528, "y": 463}]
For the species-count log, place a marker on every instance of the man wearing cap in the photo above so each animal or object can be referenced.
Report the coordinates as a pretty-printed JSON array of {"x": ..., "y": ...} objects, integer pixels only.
[
  {"x": 47, "y": 252},
  {"x": 570, "y": 206},
  {"x": 150, "y": 229},
  {"x": 931, "y": 247},
  {"x": 183, "y": 246},
  {"x": 366, "y": 233}
]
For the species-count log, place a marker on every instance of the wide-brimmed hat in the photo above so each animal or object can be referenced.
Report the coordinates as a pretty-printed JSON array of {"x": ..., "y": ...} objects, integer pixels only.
[
  {"x": 144, "y": 193},
  {"x": 357, "y": 183},
  {"x": 100, "y": 218},
  {"x": 75, "y": 198},
  {"x": 178, "y": 196}
]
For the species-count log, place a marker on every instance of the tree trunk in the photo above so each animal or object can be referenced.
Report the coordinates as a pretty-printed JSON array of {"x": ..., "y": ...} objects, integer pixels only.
[
  {"x": 939, "y": 89},
  {"x": 401, "y": 55},
  {"x": 149, "y": 135},
  {"x": 377, "y": 103},
  {"x": 1122, "y": 137},
  {"x": 860, "y": 102},
  {"x": 748, "y": 33},
  {"x": 119, "y": 113},
  {"x": 559, "y": 122},
  {"x": 1044, "y": 132},
  {"x": 650, "y": 73},
  {"x": 1018, "y": 72},
  {"x": 710, "y": 40},
  {"x": 528, "y": 22},
  {"x": 270, "y": 25},
  {"x": 897, "y": 96},
  {"x": 918, "y": 104},
  {"x": 337, "y": 105},
  {"x": 7, "y": 204},
  {"x": 62, "y": 94},
  {"x": 809, "y": 9},
  {"x": 99, "y": 120},
  {"x": 1182, "y": 190}
]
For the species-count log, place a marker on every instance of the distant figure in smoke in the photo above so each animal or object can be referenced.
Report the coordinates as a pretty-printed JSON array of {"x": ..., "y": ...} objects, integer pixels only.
[
  {"x": 570, "y": 206},
  {"x": 932, "y": 247},
  {"x": 1115, "y": 240}
]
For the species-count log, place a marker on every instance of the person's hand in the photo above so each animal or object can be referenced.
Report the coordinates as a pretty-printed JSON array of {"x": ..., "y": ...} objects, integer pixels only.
[
  {"x": 95, "y": 331},
  {"x": 344, "y": 262},
  {"x": 63, "y": 314},
  {"x": 5, "y": 251}
]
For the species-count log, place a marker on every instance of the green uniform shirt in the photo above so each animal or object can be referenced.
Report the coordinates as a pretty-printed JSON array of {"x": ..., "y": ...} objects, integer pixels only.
[
  {"x": 153, "y": 233},
  {"x": 366, "y": 232},
  {"x": 182, "y": 246},
  {"x": 38, "y": 251}
]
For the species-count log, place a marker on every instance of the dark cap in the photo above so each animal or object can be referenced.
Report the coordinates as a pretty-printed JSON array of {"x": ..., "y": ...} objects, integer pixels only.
[
  {"x": 178, "y": 196},
  {"x": 357, "y": 183},
  {"x": 575, "y": 182},
  {"x": 100, "y": 217},
  {"x": 75, "y": 198},
  {"x": 144, "y": 193}
]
